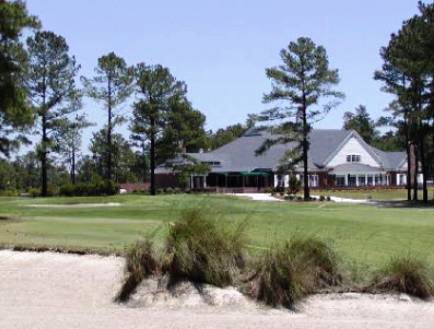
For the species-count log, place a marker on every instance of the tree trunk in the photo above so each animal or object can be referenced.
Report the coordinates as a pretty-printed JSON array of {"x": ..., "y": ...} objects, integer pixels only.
[
  {"x": 305, "y": 159},
  {"x": 73, "y": 166},
  {"x": 408, "y": 150},
  {"x": 109, "y": 131},
  {"x": 424, "y": 171},
  {"x": 44, "y": 169},
  {"x": 416, "y": 170},
  {"x": 152, "y": 157}
]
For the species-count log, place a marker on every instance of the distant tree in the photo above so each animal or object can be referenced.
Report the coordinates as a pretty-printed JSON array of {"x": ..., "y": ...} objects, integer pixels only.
[
  {"x": 361, "y": 121},
  {"x": 27, "y": 168},
  {"x": 87, "y": 170},
  {"x": 69, "y": 140},
  {"x": 226, "y": 135},
  {"x": 298, "y": 85},
  {"x": 123, "y": 157},
  {"x": 156, "y": 88},
  {"x": 112, "y": 86},
  {"x": 15, "y": 111},
  {"x": 51, "y": 82}
]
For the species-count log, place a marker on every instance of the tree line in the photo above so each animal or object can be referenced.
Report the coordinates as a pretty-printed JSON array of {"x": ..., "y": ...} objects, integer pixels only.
[
  {"x": 41, "y": 104},
  {"x": 42, "y": 91}
]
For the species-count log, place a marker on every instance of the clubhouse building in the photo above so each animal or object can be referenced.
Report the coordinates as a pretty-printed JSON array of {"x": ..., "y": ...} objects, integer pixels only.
[{"x": 336, "y": 159}]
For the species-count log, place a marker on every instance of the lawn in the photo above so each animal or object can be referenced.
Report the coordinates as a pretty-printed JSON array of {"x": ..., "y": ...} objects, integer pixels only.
[
  {"x": 365, "y": 236},
  {"x": 374, "y": 194}
]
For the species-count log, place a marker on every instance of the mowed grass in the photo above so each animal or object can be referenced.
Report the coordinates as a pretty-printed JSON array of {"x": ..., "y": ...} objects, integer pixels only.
[
  {"x": 374, "y": 194},
  {"x": 364, "y": 236}
]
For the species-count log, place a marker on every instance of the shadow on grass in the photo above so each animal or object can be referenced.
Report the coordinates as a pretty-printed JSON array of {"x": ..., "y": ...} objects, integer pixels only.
[{"x": 404, "y": 204}]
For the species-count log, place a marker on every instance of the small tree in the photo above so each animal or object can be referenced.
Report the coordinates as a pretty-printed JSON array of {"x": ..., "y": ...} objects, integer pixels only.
[
  {"x": 157, "y": 89},
  {"x": 51, "y": 82},
  {"x": 111, "y": 85},
  {"x": 298, "y": 85}
]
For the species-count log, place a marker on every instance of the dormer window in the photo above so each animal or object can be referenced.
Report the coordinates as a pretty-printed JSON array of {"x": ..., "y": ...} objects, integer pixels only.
[{"x": 353, "y": 158}]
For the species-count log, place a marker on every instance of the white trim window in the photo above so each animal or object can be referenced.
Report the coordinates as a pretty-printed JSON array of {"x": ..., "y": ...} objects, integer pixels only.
[{"x": 353, "y": 158}]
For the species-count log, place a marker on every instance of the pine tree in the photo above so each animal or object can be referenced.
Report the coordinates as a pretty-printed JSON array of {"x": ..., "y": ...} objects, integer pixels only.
[
  {"x": 51, "y": 82},
  {"x": 15, "y": 111},
  {"x": 112, "y": 85},
  {"x": 299, "y": 84},
  {"x": 157, "y": 88}
]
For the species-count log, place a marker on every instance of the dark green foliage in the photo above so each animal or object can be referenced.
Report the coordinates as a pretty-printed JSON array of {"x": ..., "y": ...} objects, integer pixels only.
[
  {"x": 404, "y": 275},
  {"x": 141, "y": 262},
  {"x": 226, "y": 135},
  {"x": 15, "y": 112},
  {"x": 289, "y": 272},
  {"x": 361, "y": 122},
  {"x": 89, "y": 189},
  {"x": 201, "y": 250}
]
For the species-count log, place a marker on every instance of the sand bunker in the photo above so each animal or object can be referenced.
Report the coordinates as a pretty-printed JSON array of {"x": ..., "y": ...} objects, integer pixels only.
[
  {"x": 51, "y": 291},
  {"x": 76, "y": 205}
]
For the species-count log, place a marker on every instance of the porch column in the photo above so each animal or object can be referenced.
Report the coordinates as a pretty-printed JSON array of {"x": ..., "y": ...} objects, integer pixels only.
[
  {"x": 398, "y": 180},
  {"x": 346, "y": 180},
  {"x": 286, "y": 181},
  {"x": 204, "y": 181},
  {"x": 357, "y": 180},
  {"x": 366, "y": 179}
]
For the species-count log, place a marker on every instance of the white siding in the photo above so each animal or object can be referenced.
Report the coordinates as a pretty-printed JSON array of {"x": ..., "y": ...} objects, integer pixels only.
[{"x": 353, "y": 146}]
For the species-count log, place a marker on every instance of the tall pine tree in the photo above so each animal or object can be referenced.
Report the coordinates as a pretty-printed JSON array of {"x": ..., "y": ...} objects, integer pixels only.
[
  {"x": 51, "y": 83},
  {"x": 298, "y": 85}
]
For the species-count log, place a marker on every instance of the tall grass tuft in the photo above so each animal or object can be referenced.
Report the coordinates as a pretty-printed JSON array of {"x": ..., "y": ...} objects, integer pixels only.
[
  {"x": 201, "y": 250},
  {"x": 404, "y": 275},
  {"x": 291, "y": 271},
  {"x": 141, "y": 262}
]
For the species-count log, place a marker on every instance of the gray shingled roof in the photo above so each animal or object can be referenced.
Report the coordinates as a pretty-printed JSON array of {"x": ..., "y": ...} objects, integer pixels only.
[{"x": 239, "y": 155}]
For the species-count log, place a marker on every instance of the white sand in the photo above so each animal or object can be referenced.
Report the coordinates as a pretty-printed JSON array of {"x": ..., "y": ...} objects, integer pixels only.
[{"x": 52, "y": 291}]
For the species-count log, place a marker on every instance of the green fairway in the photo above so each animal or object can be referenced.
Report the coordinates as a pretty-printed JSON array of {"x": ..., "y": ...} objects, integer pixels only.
[
  {"x": 374, "y": 194},
  {"x": 365, "y": 236}
]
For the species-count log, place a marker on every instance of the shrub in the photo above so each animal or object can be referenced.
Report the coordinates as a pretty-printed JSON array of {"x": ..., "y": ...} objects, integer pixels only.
[
  {"x": 34, "y": 192},
  {"x": 291, "y": 271},
  {"x": 320, "y": 257},
  {"x": 199, "y": 250},
  {"x": 322, "y": 198},
  {"x": 89, "y": 189},
  {"x": 169, "y": 190},
  {"x": 141, "y": 262},
  {"x": 294, "y": 185},
  {"x": 9, "y": 192},
  {"x": 404, "y": 275}
]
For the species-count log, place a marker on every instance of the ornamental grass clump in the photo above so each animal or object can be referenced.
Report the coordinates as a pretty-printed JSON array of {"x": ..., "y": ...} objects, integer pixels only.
[
  {"x": 404, "y": 275},
  {"x": 141, "y": 262},
  {"x": 289, "y": 272},
  {"x": 202, "y": 250}
]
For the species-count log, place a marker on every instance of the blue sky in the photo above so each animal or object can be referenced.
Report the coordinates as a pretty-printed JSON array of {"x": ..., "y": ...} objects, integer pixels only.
[{"x": 221, "y": 48}]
